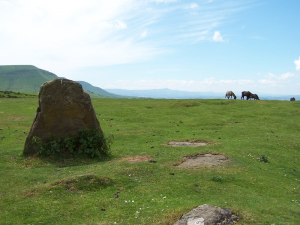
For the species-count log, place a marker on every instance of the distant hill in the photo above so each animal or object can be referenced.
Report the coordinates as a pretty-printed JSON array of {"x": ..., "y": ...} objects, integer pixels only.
[
  {"x": 28, "y": 79},
  {"x": 23, "y": 78}
]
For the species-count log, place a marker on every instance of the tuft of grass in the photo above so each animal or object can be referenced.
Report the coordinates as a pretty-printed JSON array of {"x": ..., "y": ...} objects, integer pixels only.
[
  {"x": 263, "y": 158},
  {"x": 88, "y": 142},
  {"x": 218, "y": 178},
  {"x": 12, "y": 94}
]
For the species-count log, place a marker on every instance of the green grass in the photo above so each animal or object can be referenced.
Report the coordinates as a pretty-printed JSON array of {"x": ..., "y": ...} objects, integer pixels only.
[{"x": 58, "y": 190}]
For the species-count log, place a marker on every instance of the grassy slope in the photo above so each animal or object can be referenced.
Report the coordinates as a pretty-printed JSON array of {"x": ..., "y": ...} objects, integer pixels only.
[
  {"x": 23, "y": 78},
  {"x": 260, "y": 193}
]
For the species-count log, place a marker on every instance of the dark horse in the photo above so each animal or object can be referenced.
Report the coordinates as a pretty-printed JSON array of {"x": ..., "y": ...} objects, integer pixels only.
[
  {"x": 292, "y": 99},
  {"x": 248, "y": 94},
  {"x": 255, "y": 97}
]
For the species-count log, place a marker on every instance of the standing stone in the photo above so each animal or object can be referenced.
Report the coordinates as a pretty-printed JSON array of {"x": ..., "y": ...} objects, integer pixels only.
[
  {"x": 64, "y": 108},
  {"x": 208, "y": 215}
]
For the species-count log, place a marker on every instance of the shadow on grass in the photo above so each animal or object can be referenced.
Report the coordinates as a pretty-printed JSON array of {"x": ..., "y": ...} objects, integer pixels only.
[{"x": 62, "y": 160}]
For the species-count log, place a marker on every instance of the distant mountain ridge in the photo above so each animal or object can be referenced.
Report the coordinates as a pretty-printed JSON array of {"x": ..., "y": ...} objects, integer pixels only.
[
  {"x": 174, "y": 94},
  {"x": 27, "y": 78},
  {"x": 97, "y": 90},
  {"x": 167, "y": 93}
]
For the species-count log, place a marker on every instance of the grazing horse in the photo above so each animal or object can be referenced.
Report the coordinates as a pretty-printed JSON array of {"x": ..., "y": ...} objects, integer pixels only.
[
  {"x": 292, "y": 99},
  {"x": 248, "y": 94},
  {"x": 255, "y": 97},
  {"x": 230, "y": 94}
]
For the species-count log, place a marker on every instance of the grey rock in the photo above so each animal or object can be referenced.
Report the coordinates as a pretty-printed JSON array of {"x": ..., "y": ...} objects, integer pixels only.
[
  {"x": 64, "y": 108},
  {"x": 208, "y": 215}
]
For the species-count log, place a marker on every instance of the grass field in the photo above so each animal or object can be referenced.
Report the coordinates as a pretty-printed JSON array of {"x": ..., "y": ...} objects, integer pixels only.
[{"x": 116, "y": 191}]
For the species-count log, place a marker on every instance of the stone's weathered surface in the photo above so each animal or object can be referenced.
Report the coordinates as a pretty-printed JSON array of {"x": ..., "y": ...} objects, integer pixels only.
[
  {"x": 208, "y": 215},
  {"x": 199, "y": 221},
  {"x": 203, "y": 160},
  {"x": 188, "y": 144},
  {"x": 64, "y": 108}
]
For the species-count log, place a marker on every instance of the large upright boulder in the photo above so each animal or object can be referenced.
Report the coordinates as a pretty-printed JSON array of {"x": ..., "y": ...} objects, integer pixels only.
[{"x": 64, "y": 109}]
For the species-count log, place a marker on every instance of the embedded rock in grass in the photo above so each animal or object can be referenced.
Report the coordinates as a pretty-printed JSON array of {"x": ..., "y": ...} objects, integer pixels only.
[
  {"x": 203, "y": 160},
  {"x": 64, "y": 109},
  {"x": 208, "y": 214}
]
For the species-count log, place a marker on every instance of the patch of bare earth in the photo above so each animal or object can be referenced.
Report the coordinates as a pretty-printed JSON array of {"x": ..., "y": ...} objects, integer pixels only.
[
  {"x": 136, "y": 159},
  {"x": 207, "y": 159}
]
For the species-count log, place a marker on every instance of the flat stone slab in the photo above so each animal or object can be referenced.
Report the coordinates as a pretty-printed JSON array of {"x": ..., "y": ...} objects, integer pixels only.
[
  {"x": 188, "y": 144},
  {"x": 203, "y": 160}
]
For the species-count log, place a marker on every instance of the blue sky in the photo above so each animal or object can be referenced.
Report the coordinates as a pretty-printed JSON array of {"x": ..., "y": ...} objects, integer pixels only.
[{"x": 204, "y": 45}]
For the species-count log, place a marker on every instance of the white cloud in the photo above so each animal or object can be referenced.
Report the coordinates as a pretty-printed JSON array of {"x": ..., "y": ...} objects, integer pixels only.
[
  {"x": 297, "y": 62},
  {"x": 194, "y": 6},
  {"x": 274, "y": 80},
  {"x": 93, "y": 33},
  {"x": 209, "y": 84},
  {"x": 217, "y": 37},
  {"x": 144, "y": 34}
]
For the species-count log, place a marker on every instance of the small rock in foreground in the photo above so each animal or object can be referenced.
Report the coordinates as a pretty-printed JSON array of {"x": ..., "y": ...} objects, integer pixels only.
[{"x": 208, "y": 214}]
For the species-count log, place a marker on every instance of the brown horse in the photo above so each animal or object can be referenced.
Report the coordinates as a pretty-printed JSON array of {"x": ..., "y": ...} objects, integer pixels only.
[
  {"x": 255, "y": 97},
  {"x": 248, "y": 94},
  {"x": 230, "y": 94}
]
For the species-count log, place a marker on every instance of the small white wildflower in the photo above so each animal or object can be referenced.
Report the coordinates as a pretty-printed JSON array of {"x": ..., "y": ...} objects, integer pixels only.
[
  {"x": 137, "y": 212},
  {"x": 50, "y": 191},
  {"x": 164, "y": 197},
  {"x": 132, "y": 201},
  {"x": 129, "y": 175},
  {"x": 162, "y": 210},
  {"x": 125, "y": 201}
]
